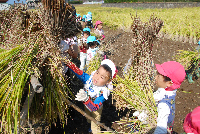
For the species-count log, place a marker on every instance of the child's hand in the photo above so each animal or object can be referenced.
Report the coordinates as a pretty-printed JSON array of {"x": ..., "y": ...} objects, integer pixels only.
[{"x": 81, "y": 96}]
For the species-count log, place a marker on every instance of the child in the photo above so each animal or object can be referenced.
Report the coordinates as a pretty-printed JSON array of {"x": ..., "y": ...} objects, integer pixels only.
[
  {"x": 96, "y": 90},
  {"x": 83, "y": 47},
  {"x": 89, "y": 19},
  {"x": 99, "y": 32},
  {"x": 68, "y": 47},
  {"x": 84, "y": 21},
  {"x": 192, "y": 122},
  {"x": 193, "y": 68},
  {"x": 169, "y": 78},
  {"x": 93, "y": 48}
]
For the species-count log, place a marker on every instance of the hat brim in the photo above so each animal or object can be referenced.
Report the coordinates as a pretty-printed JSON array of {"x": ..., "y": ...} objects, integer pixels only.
[
  {"x": 97, "y": 41},
  {"x": 160, "y": 69},
  {"x": 173, "y": 87}
]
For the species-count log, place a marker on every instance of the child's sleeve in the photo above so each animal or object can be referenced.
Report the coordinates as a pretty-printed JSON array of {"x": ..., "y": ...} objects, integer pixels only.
[
  {"x": 79, "y": 73},
  {"x": 94, "y": 106},
  {"x": 163, "y": 114}
]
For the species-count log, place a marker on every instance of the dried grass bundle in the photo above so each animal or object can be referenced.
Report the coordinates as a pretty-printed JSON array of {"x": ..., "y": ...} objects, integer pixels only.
[
  {"x": 135, "y": 92},
  {"x": 30, "y": 48}
]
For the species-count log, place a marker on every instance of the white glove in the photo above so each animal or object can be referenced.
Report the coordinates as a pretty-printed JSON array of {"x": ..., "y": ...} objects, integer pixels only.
[
  {"x": 81, "y": 96},
  {"x": 141, "y": 116},
  {"x": 63, "y": 46},
  {"x": 136, "y": 113}
]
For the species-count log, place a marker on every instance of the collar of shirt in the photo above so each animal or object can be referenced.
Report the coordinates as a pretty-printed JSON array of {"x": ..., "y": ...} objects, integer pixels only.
[{"x": 161, "y": 93}]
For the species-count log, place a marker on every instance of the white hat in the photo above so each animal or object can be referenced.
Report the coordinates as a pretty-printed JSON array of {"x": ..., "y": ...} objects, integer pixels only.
[{"x": 111, "y": 65}]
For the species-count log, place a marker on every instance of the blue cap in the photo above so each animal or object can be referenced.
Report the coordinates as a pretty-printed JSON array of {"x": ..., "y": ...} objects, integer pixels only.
[
  {"x": 90, "y": 13},
  {"x": 84, "y": 16},
  {"x": 86, "y": 29},
  {"x": 78, "y": 15},
  {"x": 199, "y": 42},
  {"x": 92, "y": 39}
]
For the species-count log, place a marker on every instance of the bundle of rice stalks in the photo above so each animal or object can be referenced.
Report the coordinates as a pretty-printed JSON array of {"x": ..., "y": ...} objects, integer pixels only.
[
  {"x": 30, "y": 60},
  {"x": 135, "y": 91}
]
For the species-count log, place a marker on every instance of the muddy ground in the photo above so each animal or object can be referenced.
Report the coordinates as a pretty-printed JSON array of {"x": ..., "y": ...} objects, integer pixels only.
[{"x": 119, "y": 52}]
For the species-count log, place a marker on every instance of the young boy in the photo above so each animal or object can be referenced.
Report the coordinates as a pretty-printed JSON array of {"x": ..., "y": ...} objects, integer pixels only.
[
  {"x": 83, "y": 47},
  {"x": 93, "y": 44},
  {"x": 84, "y": 21},
  {"x": 96, "y": 90},
  {"x": 99, "y": 32},
  {"x": 169, "y": 78},
  {"x": 192, "y": 122},
  {"x": 89, "y": 19}
]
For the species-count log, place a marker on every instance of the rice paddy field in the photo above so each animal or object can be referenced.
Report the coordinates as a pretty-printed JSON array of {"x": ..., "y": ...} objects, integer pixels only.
[{"x": 181, "y": 21}]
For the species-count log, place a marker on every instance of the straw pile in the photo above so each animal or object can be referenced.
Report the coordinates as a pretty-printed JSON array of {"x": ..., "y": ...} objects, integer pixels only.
[
  {"x": 29, "y": 48},
  {"x": 135, "y": 91}
]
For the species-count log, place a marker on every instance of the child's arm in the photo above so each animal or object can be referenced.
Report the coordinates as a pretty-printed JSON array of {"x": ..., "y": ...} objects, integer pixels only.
[
  {"x": 94, "y": 106},
  {"x": 79, "y": 73},
  {"x": 163, "y": 114}
]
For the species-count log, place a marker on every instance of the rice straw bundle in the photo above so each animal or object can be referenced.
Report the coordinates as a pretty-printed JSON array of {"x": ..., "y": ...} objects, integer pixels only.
[
  {"x": 30, "y": 48},
  {"x": 135, "y": 91}
]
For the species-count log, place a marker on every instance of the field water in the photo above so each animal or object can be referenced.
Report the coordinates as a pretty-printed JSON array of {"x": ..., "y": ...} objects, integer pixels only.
[{"x": 119, "y": 50}]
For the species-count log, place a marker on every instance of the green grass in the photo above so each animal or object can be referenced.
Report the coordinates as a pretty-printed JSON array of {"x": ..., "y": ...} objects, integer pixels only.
[{"x": 181, "y": 21}]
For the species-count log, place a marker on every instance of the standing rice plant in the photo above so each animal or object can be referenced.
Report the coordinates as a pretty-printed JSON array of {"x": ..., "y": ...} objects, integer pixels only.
[
  {"x": 186, "y": 57},
  {"x": 30, "y": 48},
  {"x": 135, "y": 91}
]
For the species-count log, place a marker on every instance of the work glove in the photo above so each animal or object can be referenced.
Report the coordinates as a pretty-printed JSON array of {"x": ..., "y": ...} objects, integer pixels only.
[
  {"x": 82, "y": 96},
  {"x": 141, "y": 116}
]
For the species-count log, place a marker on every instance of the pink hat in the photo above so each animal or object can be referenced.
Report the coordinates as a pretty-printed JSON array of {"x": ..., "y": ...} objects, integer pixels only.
[
  {"x": 175, "y": 71},
  {"x": 97, "y": 23},
  {"x": 192, "y": 122}
]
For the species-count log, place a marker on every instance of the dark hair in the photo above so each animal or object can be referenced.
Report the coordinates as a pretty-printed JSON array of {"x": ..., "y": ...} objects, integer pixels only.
[
  {"x": 96, "y": 43},
  {"x": 166, "y": 78},
  {"x": 107, "y": 68},
  {"x": 87, "y": 32},
  {"x": 90, "y": 44}
]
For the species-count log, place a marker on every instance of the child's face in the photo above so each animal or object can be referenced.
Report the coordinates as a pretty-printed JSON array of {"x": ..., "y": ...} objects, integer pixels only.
[
  {"x": 160, "y": 81},
  {"x": 101, "y": 77},
  {"x": 85, "y": 35},
  {"x": 100, "y": 26}
]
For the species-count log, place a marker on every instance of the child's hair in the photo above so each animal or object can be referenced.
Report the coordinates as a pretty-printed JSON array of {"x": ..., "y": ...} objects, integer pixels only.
[
  {"x": 165, "y": 77},
  {"x": 90, "y": 44},
  {"x": 87, "y": 32},
  {"x": 108, "y": 69}
]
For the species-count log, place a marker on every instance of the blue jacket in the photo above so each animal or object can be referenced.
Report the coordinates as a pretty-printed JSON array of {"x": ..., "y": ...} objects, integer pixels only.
[{"x": 93, "y": 103}]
